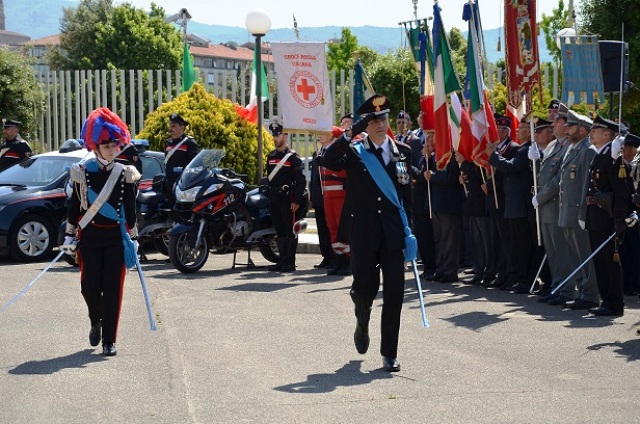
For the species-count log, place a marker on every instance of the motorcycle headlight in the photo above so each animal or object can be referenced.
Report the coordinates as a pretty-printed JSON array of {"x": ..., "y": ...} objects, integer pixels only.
[
  {"x": 187, "y": 195},
  {"x": 212, "y": 188}
]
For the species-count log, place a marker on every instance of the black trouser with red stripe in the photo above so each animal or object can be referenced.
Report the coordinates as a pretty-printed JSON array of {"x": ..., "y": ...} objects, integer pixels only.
[{"x": 102, "y": 276}]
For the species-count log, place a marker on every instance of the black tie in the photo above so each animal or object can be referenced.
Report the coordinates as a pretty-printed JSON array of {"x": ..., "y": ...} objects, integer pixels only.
[{"x": 378, "y": 153}]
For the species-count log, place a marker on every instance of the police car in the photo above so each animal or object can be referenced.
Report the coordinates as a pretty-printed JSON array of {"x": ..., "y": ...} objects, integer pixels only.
[{"x": 33, "y": 199}]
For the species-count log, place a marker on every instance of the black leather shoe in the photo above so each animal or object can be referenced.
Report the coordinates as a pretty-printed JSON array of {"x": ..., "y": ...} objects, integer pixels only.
[
  {"x": 582, "y": 304},
  {"x": 477, "y": 279},
  {"x": 390, "y": 364},
  {"x": 333, "y": 270},
  {"x": 109, "y": 349},
  {"x": 436, "y": 276},
  {"x": 545, "y": 299},
  {"x": 288, "y": 268},
  {"x": 324, "y": 263},
  {"x": 521, "y": 288},
  {"x": 346, "y": 270},
  {"x": 361, "y": 339},
  {"x": 603, "y": 311},
  {"x": 448, "y": 279},
  {"x": 95, "y": 334},
  {"x": 559, "y": 300},
  {"x": 275, "y": 267},
  {"x": 507, "y": 285}
]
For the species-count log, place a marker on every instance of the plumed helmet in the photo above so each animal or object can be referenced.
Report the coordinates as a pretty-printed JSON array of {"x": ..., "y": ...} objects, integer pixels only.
[{"x": 104, "y": 126}]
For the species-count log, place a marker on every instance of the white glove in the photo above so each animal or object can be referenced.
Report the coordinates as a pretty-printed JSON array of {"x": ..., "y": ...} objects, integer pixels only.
[
  {"x": 616, "y": 147},
  {"x": 581, "y": 223},
  {"x": 69, "y": 245},
  {"x": 135, "y": 245},
  {"x": 534, "y": 202},
  {"x": 534, "y": 153}
]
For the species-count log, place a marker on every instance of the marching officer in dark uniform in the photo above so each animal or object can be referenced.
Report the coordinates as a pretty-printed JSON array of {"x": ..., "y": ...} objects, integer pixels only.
[
  {"x": 179, "y": 150},
  {"x": 102, "y": 216},
  {"x": 286, "y": 189},
  {"x": 14, "y": 149},
  {"x": 607, "y": 205},
  {"x": 377, "y": 229}
]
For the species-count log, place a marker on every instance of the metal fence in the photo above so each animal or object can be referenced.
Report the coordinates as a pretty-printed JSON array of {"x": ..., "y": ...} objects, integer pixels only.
[{"x": 72, "y": 95}]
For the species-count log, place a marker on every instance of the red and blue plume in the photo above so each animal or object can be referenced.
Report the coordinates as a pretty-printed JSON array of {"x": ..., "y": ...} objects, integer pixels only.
[{"x": 103, "y": 125}]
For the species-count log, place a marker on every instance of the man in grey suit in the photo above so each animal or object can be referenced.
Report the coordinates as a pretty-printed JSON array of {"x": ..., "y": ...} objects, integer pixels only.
[
  {"x": 574, "y": 180},
  {"x": 546, "y": 201}
]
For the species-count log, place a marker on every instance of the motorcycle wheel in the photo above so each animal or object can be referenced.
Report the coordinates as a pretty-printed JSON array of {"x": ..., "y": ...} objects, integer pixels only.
[
  {"x": 181, "y": 256},
  {"x": 161, "y": 243},
  {"x": 269, "y": 249}
]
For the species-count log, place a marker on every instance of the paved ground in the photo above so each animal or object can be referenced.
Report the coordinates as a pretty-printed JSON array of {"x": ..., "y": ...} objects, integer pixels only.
[{"x": 250, "y": 346}]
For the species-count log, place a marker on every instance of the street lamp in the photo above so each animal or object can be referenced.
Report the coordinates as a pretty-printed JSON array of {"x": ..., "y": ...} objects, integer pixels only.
[{"x": 258, "y": 23}]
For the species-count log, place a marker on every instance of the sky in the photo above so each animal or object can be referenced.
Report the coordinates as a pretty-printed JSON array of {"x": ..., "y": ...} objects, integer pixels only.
[{"x": 349, "y": 13}]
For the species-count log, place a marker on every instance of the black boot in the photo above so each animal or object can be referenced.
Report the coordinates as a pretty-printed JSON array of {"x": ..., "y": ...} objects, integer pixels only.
[
  {"x": 282, "y": 251},
  {"x": 290, "y": 264},
  {"x": 363, "y": 314},
  {"x": 336, "y": 266},
  {"x": 345, "y": 268}
]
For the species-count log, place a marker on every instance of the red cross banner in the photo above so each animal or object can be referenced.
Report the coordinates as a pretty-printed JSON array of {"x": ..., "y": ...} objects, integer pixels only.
[{"x": 304, "y": 94}]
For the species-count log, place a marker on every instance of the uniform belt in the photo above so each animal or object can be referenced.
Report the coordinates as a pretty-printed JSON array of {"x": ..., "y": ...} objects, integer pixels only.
[
  {"x": 104, "y": 225},
  {"x": 333, "y": 188},
  {"x": 284, "y": 189}
]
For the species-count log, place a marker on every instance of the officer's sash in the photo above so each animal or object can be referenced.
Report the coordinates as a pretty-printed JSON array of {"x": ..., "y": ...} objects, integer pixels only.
[{"x": 382, "y": 180}]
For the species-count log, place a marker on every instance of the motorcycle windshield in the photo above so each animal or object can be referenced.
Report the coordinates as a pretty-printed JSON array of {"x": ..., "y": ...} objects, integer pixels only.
[{"x": 201, "y": 167}]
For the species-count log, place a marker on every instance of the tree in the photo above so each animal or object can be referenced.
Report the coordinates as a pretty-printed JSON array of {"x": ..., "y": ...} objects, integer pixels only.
[
  {"x": 395, "y": 76},
  {"x": 551, "y": 25},
  {"x": 341, "y": 54},
  {"x": 606, "y": 18},
  {"x": 458, "y": 45},
  {"x": 20, "y": 96},
  {"x": 98, "y": 35},
  {"x": 214, "y": 123}
]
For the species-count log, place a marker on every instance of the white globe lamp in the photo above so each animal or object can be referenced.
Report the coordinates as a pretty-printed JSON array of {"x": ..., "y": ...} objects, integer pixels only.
[{"x": 258, "y": 22}]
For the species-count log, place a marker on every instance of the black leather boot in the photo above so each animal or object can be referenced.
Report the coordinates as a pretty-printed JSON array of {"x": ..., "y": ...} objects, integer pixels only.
[
  {"x": 290, "y": 263},
  {"x": 363, "y": 314},
  {"x": 282, "y": 251}
]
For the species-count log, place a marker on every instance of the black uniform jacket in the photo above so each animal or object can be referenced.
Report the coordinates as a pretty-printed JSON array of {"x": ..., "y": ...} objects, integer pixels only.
[
  {"x": 447, "y": 194},
  {"x": 475, "y": 204},
  {"x": 508, "y": 150},
  {"x": 13, "y": 151},
  {"x": 375, "y": 219},
  {"x": 289, "y": 178},
  {"x": 518, "y": 181},
  {"x": 181, "y": 158},
  {"x": 123, "y": 194},
  {"x": 609, "y": 177}
]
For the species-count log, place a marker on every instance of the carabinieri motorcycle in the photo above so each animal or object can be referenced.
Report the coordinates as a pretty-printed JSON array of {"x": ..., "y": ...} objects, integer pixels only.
[{"x": 215, "y": 213}]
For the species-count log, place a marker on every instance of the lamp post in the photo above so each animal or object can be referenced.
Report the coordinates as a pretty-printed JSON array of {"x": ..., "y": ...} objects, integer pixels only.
[{"x": 258, "y": 23}]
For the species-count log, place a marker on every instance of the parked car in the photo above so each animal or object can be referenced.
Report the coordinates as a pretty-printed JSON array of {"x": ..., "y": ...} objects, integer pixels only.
[{"x": 33, "y": 200}]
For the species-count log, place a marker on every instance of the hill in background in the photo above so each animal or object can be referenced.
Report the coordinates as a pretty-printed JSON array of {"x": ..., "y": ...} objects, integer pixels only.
[{"x": 41, "y": 18}]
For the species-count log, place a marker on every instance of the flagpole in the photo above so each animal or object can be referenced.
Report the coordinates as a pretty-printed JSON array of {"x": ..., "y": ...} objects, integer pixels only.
[
  {"x": 429, "y": 187},
  {"x": 535, "y": 180},
  {"x": 621, "y": 81}
]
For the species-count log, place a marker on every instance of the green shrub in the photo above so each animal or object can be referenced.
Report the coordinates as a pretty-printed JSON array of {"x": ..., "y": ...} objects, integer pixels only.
[{"x": 214, "y": 123}]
